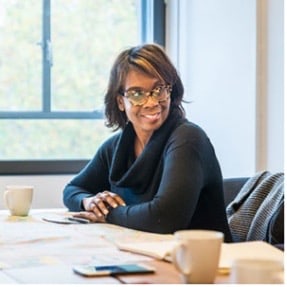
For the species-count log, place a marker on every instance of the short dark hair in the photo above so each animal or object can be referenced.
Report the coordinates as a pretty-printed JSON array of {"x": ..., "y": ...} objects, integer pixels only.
[{"x": 150, "y": 59}]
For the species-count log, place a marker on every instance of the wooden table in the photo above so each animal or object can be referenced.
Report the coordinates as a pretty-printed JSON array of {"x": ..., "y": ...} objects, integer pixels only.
[{"x": 35, "y": 251}]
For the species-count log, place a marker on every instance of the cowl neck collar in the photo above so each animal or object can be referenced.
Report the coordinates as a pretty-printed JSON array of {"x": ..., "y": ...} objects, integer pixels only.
[{"x": 142, "y": 169}]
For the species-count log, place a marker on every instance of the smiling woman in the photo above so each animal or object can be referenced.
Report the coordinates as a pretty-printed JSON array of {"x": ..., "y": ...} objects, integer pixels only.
[{"x": 159, "y": 173}]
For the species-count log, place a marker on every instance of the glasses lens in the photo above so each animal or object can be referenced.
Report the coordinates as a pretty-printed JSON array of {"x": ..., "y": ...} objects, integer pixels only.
[
  {"x": 136, "y": 97},
  {"x": 157, "y": 92},
  {"x": 161, "y": 93}
]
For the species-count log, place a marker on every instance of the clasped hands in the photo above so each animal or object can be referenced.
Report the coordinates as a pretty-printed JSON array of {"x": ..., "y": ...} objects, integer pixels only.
[{"x": 97, "y": 207}]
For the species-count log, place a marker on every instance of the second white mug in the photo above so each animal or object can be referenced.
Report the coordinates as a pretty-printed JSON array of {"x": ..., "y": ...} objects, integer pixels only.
[{"x": 257, "y": 271}]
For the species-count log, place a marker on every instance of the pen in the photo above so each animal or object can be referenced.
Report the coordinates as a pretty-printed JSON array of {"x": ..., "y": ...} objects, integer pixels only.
[{"x": 79, "y": 220}]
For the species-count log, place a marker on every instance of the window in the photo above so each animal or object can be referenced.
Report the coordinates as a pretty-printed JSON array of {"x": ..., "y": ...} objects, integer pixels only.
[{"x": 56, "y": 56}]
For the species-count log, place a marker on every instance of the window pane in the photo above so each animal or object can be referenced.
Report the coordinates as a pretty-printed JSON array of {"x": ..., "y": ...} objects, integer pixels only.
[
  {"x": 20, "y": 66},
  {"x": 53, "y": 139},
  {"x": 86, "y": 36}
]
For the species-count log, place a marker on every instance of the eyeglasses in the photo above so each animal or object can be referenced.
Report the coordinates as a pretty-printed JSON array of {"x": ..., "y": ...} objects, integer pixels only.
[{"x": 139, "y": 97}]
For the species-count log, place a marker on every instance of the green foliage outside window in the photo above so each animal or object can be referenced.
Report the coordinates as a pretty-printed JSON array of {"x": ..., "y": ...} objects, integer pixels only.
[{"x": 86, "y": 36}]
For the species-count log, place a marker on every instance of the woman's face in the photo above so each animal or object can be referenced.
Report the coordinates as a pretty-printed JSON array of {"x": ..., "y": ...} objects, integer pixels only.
[{"x": 148, "y": 117}]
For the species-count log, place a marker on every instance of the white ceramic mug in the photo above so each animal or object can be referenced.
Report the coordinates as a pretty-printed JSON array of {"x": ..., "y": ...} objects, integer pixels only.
[
  {"x": 256, "y": 271},
  {"x": 18, "y": 199},
  {"x": 196, "y": 255}
]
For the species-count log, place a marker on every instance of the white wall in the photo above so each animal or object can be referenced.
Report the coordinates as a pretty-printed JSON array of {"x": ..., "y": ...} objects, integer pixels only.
[
  {"x": 233, "y": 77},
  {"x": 275, "y": 87}
]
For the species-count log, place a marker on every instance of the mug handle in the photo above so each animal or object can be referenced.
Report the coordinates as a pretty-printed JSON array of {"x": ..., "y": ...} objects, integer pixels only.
[
  {"x": 177, "y": 265},
  {"x": 6, "y": 197}
]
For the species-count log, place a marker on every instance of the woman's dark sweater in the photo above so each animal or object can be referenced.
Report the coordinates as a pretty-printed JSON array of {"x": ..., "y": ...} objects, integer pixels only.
[{"x": 175, "y": 184}]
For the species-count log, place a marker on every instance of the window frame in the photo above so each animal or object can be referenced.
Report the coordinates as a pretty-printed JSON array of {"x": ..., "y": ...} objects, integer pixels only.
[{"x": 151, "y": 31}]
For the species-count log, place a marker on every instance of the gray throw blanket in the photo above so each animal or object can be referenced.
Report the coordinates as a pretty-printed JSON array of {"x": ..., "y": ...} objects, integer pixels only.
[{"x": 250, "y": 213}]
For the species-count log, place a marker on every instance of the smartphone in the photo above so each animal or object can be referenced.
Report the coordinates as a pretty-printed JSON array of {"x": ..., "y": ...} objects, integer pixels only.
[
  {"x": 65, "y": 219},
  {"x": 89, "y": 270}
]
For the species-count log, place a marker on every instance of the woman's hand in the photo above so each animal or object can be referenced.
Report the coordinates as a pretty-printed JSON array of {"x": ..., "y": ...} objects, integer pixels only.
[{"x": 98, "y": 206}]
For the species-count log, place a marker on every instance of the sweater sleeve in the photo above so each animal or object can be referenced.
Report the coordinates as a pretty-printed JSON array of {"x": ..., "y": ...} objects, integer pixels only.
[{"x": 92, "y": 179}]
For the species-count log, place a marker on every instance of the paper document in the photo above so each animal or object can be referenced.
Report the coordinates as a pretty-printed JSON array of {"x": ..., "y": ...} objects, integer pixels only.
[
  {"x": 229, "y": 251},
  {"x": 156, "y": 249}
]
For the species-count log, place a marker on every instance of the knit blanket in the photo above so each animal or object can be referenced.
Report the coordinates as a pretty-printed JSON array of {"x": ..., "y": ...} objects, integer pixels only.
[{"x": 250, "y": 212}]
